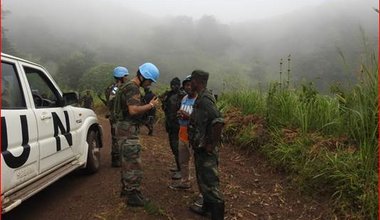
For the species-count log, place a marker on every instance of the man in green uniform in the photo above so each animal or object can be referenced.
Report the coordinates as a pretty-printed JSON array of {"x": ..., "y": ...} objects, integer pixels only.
[
  {"x": 205, "y": 129},
  {"x": 171, "y": 102},
  {"x": 129, "y": 109},
  {"x": 120, "y": 74}
]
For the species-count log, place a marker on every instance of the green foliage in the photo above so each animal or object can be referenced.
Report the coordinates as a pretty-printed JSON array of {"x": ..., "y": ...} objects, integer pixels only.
[
  {"x": 327, "y": 143},
  {"x": 289, "y": 155},
  {"x": 339, "y": 173},
  {"x": 250, "y": 137},
  {"x": 71, "y": 70},
  {"x": 238, "y": 57},
  {"x": 280, "y": 106},
  {"x": 97, "y": 78},
  {"x": 153, "y": 209},
  {"x": 248, "y": 101},
  {"x": 304, "y": 108}
]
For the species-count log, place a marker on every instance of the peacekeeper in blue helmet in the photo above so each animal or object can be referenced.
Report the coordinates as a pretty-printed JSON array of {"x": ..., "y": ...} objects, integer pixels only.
[
  {"x": 120, "y": 74},
  {"x": 128, "y": 110}
]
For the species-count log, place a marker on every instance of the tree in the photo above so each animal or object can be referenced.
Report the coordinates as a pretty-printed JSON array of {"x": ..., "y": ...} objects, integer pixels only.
[
  {"x": 72, "y": 69},
  {"x": 97, "y": 78}
]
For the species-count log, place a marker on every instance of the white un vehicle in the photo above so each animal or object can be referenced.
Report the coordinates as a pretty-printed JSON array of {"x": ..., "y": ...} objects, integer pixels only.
[{"x": 43, "y": 137}]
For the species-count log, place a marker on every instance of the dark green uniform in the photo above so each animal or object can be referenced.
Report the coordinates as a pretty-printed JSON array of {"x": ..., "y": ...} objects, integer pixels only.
[
  {"x": 171, "y": 104},
  {"x": 205, "y": 115},
  {"x": 127, "y": 130}
]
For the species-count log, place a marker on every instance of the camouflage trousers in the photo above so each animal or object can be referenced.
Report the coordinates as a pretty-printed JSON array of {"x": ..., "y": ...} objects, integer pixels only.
[
  {"x": 206, "y": 168},
  {"x": 130, "y": 148},
  {"x": 115, "y": 150}
]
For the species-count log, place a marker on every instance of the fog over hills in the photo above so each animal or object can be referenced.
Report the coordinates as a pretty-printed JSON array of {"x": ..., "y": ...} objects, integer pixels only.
[{"x": 244, "y": 53}]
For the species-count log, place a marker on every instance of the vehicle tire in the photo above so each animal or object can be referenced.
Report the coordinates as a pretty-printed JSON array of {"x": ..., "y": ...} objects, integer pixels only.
[{"x": 93, "y": 155}]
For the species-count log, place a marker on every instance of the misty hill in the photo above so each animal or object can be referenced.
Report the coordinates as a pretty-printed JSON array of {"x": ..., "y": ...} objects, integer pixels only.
[
  {"x": 314, "y": 37},
  {"x": 44, "y": 29},
  {"x": 244, "y": 53}
]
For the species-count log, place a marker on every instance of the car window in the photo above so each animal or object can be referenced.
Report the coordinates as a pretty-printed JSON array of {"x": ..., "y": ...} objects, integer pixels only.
[
  {"x": 11, "y": 92},
  {"x": 43, "y": 91}
]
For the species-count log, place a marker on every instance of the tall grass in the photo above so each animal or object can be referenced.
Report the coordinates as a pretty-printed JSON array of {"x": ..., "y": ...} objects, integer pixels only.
[
  {"x": 248, "y": 101},
  {"x": 280, "y": 106},
  {"x": 348, "y": 173},
  {"x": 363, "y": 127},
  {"x": 303, "y": 109}
]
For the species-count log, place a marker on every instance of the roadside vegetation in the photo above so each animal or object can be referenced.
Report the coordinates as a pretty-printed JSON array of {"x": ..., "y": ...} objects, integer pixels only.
[{"x": 327, "y": 143}]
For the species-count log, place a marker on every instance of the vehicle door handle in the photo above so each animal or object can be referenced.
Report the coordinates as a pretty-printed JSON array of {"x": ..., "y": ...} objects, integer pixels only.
[{"x": 45, "y": 117}]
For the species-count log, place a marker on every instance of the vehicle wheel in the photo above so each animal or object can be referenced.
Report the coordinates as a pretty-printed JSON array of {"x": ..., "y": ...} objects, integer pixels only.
[{"x": 93, "y": 155}]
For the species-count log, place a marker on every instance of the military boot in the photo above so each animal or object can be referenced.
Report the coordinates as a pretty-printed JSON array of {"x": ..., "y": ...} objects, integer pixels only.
[
  {"x": 198, "y": 201},
  {"x": 177, "y": 175},
  {"x": 136, "y": 199},
  {"x": 115, "y": 160},
  {"x": 145, "y": 199},
  {"x": 217, "y": 211},
  {"x": 204, "y": 210}
]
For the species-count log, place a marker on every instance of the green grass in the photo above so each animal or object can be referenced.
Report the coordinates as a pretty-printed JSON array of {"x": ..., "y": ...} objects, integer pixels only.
[
  {"x": 332, "y": 145},
  {"x": 153, "y": 209},
  {"x": 247, "y": 101}
]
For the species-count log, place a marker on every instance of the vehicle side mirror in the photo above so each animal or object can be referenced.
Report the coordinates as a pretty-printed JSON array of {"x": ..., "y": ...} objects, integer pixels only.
[{"x": 70, "y": 98}]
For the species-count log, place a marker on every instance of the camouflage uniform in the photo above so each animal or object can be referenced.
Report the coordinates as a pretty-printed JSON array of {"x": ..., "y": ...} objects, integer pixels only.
[
  {"x": 204, "y": 130},
  {"x": 204, "y": 115},
  {"x": 171, "y": 105},
  {"x": 127, "y": 130},
  {"x": 110, "y": 94}
]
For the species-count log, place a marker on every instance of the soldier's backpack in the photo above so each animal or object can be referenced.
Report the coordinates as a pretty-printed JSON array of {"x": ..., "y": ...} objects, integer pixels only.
[
  {"x": 119, "y": 104},
  {"x": 110, "y": 94}
]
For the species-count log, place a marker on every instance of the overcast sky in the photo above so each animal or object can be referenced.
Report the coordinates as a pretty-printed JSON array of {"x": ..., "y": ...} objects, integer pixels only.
[{"x": 224, "y": 10}]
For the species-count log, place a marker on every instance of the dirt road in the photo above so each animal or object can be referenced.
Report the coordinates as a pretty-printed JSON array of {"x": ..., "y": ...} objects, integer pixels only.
[{"x": 252, "y": 189}]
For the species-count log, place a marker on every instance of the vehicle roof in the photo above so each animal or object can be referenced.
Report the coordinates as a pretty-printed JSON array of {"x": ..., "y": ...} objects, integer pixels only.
[{"x": 19, "y": 59}]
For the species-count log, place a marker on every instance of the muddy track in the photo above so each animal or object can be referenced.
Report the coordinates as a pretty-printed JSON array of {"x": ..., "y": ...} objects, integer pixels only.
[{"x": 252, "y": 189}]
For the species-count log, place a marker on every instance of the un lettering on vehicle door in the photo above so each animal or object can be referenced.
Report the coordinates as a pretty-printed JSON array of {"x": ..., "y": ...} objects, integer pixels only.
[{"x": 20, "y": 148}]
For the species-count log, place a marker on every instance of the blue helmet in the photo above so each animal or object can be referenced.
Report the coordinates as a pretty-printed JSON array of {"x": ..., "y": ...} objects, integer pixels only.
[
  {"x": 149, "y": 71},
  {"x": 120, "y": 72}
]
